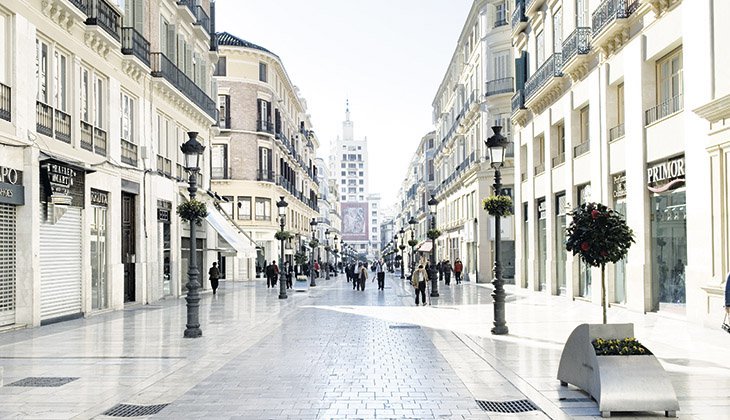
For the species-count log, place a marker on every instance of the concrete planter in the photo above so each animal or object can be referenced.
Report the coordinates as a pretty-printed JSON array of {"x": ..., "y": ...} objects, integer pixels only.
[{"x": 617, "y": 383}]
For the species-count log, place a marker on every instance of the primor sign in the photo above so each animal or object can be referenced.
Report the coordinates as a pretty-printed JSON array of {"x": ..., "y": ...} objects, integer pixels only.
[{"x": 666, "y": 175}]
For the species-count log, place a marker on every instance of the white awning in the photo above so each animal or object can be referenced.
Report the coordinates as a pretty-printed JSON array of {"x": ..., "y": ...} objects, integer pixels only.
[
  {"x": 425, "y": 246},
  {"x": 237, "y": 240}
]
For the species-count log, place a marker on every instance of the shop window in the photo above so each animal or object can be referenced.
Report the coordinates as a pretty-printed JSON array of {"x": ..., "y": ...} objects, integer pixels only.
[{"x": 263, "y": 209}]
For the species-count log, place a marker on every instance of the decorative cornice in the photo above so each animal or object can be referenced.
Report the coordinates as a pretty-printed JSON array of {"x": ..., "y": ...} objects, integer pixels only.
[
  {"x": 97, "y": 42},
  {"x": 179, "y": 101},
  {"x": 715, "y": 110},
  {"x": 659, "y": 7},
  {"x": 62, "y": 13}
]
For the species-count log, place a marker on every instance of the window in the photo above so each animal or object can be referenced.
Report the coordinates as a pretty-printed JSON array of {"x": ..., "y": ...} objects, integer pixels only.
[
  {"x": 581, "y": 14},
  {"x": 540, "y": 48},
  {"x": 263, "y": 72},
  {"x": 99, "y": 101},
  {"x": 500, "y": 16},
  {"x": 343, "y": 165},
  {"x": 219, "y": 161},
  {"x": 224, "y": 111},
  {"x": 669, "y": 77},
  {"x": 501, "y": 66},
  {"x": 127, "y": 117},
  {"x": 134, "y": 14},
  {"x": 584, "y": 127},
  {"x": 220, "y": 66},
  {"x": 244, "y": 208},
  {"x": 343, "y": 182},
  {"x": 559, "y": 156},
  {"x": 558, "y": 30},
  {"x": 167, "y": 39},
  {"x": 265, "y": 167},
  {"x": 263, "y": 208},
  {"x": 60, "y": 92},
  {"x": 4, "y": 51},
  {"x": 42, "y": 71},
  {"x": 362, "y": 182},
  {"x": 539, "y": 154},
  {"x": 85, "y": 95}
]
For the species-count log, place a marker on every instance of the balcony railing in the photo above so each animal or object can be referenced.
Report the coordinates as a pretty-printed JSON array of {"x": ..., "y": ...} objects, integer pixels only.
[
  {"x": 518, "y": 101},
  {"x": 582, "y": 148},
  {"x": 5, "y": 102},
  {"x": 553, "y": 67},
  {"x": 201, "y": 18},
  {"x": 129, "y": 152},
  {"x": 62, "y": 126},
  {"x": 164, "y": 166},
  {"x": 616, "y": 132},
  {"x": 557, "y": 160},
  {"x": 82, "y": 5},
  {"x": 105, "y": 16},
  {"x": 133, "y": 43},
  {"x": 93, "y": 139},
  {"x": 100, "y": 141},
  {"x": 518, "y": 16},
  {"x": 540, "y": 168},
  {"x": 500, "y": 22},
  {"x": 267, "y": 176},
  {"x": 265, "y": 127},
  {"x": 610, "y": 10},
  {"x": 497, "y": 86},
  {"x": 44, "y": 119},
  {"x": 664, "y": 109},
  {"x": 577, "y": 43},
  {"x": 190, "y": 4},
  {"x": 163, "y": 67}
]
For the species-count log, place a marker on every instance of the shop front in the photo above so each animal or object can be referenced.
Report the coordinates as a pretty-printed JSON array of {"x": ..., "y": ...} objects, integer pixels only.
[
  {"x": 12, "y": 195},
  {"x": 561, "y": 254},
  {"x": 619, "y": 269},
  {"x": 164, "y": 211},
  {"x": 99, "y": 249}
]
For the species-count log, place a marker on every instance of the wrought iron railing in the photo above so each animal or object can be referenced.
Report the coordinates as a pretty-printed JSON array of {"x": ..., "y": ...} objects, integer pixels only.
[
  {"x": 129, "y": 152},
  {"x": 105, "y": 16},
  {"x": 664, "y": 109},
  {"x": 164, "y": 166},
  {"x": 267, "y": 176},
  {"x": 44, "y": 119},
  {"x": 82, "y": 5},
  {"x": 539, "y": 168},
  {"x": 100, "y": 142},
  {"x": 577, "y": 43},
  {"x": 134, "y": 43},
  {"x": 616, "y": 132},
  {"x": 87, "y": 136},
  {"x": 519, "y": 14},
  {"x": 518, "y": 101},
  {"x": 265, "y": 126},
  {"x": 201, "y": 18},
  {"x": 551, "y": 68},
  {"x": 560, "y": 158},
  {"x": 62, "y": 126},
  {"x": 190, "y": 4},
  {"x": 500, "y": 22},
  {"x": 610, "y": 10},
  {"x": 5, "y": 103},
  {"x": 163, "y": 67},
  {"x": 497, "y": 86},
  {"x": 582, "y": 148}
]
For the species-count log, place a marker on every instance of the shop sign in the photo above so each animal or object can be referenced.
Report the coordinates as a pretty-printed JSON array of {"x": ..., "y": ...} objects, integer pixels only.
[
  {"x": 164, "y": 208},
  {"x": 11, "y": 186},
  {"x": 619, "y": 185},
  {"x": 665, "y": 175},
  {"x": 99, "y": 198},
  {"x": 62, "y": 183}
]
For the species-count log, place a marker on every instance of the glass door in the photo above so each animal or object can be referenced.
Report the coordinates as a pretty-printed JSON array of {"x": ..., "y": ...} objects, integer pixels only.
[{"x": 98, "y": 248}]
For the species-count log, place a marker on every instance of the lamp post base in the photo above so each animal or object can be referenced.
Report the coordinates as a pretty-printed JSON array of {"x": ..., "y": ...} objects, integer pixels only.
[
  {"x": 500, "y": 330},
  {"x": 193, "y": 332},
  {"x": 283, "y": 296},
  {"x": 434, "y": 294}
]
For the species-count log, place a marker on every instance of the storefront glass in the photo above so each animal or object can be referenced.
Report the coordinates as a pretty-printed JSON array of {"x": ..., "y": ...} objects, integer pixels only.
[
  {"x": 669, "y": 249},
  {"x": 541, "y": 244},
  {"x": 525, "y": 245},
  {"x": 619, "y": 269},
  {"x": 561, "y": 254},
  {"x": 584, "y": 270},
  {"x": 99, "y": 292}
]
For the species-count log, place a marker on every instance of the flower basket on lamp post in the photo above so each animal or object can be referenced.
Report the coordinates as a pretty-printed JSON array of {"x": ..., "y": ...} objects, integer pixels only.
[
  {"x": 498, "y": 205},
  {"x": 192, "y": 211}
]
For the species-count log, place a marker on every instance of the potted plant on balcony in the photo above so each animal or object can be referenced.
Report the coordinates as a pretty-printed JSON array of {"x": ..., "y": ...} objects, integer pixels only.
[{"x": 193, "y": 211}]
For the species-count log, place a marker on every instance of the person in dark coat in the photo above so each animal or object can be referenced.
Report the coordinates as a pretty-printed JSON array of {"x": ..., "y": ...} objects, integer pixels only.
[
  {"x": 272, "y": 271},
  {"x": 727, "y": 294},
  {"x": 213, "y": 275},
  {"x": 446, "y": 266},
  {"x": 440, "y": 269},
  {"x": 289, "y": 273}
]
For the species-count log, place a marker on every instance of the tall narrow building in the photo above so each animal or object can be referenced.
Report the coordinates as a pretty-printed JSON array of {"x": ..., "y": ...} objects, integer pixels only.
[{"x": 359, "y": 209}]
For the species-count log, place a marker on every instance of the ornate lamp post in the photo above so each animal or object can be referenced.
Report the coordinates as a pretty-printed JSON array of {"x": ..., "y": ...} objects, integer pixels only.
[
  {"x": 402, "y": 252},
  {"x": 192, "y": 150},
  {"x": 336, "y": 252},
  {"x": 413, "y": 223},
  {"x": 432, "y": 275},
  {"x": 281, "y": 205},
  {"x": 327, "y": 253},
  {"x": 497, "y": 145},
  {"x": 313, "y": 225},
  {"x": 342, "y": 251}
]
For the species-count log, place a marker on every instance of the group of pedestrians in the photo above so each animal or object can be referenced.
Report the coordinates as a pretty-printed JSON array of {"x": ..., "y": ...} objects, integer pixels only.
[
  {"x": 445, "y": 268},
  {"x": 358, "y": 274},
  {"x": 272, "y": 274}
]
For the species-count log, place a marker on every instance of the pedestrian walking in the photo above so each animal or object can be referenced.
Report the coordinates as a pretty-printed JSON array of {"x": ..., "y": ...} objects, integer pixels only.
[
  {"x": 289, "y": 273},
  {"x": 727, "y": 294},
  {"x": 213, "y": 275},
  {"x": 418, "y": 280},
  {"x": 458, "y": 268},
  {"x": 440, "y": 269},
  {"x": 272, "y": 272},
  {"x": 380, "y": 271},
  {"x": 316, "y": 269},
  {"x": 447, "y": 271},
  {"x": 362, "y": 276}
]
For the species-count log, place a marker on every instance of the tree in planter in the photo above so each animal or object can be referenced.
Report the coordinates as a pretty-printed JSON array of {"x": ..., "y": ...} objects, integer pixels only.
[
  {"x": 193, "y": 211},
  {"x": 300, "y": 258},
  {"x": 599, "y": 236}
]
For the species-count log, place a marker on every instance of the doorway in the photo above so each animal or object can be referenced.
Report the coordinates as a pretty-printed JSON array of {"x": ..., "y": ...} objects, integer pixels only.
[{"x": 129, "y": 246}]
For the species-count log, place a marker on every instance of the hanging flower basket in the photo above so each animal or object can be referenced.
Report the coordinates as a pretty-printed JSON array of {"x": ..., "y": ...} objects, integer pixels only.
[
  {"x": 283, "y": 235},
  {"x": 328, "y": 248},
  {"x": 433, "y": 234},
  {"x": 498, "y": 205},
  {"x": 335, "y": 251},
  {"x": 193, "y": 211},
  {"x": 402, "y": 247},
  {"x": 313, "y": 243},
  {"x": 412, "y": 243}
]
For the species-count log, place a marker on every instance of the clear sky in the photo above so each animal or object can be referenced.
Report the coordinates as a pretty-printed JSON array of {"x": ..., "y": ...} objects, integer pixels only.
[{"x": 387, "y": 56}]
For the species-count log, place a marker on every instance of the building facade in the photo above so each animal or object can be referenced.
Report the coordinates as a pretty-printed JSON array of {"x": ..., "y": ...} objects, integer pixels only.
[
  {"x": 621, "y": 102},
  {"x": 266, "y": 149},
  {"x": 95, "y": 101}
]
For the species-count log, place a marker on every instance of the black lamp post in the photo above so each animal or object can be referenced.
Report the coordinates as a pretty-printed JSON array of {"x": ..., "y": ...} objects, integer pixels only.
[
  {"x": 497, "y": 145},
  {"x": 413, "y": 223},
  {"x": 281, "y": 205},
  {"x": 432, "y": 205},
  {"x": 192, "y": 150},
  {"x": 402, "y": 252},
  {"x": 342, "y": 251},
  {"x": 327, "y": 254},
  {"x": 313, "y": 225},
  {"x": 336, "y": 252}
]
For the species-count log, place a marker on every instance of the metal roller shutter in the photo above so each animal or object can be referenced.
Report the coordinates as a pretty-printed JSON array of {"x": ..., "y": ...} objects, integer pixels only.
[
  {"x": 7, "y": 264},
  {"x": 60, "y": 256}
]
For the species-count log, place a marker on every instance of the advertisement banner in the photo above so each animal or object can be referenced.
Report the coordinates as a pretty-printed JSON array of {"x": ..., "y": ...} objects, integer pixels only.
[{"x": 355, "y": 219}]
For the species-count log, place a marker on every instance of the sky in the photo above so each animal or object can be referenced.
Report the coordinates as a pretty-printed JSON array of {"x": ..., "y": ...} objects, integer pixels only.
[{"x": 388, "y": 57}]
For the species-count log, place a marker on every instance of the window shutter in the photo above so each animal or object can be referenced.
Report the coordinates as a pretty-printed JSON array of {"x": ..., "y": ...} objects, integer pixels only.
[
  {"x": 268, "y": 111},
  {"x": 139, "y": 16},
  {"x": 268, "y": 166},
  {"x": 129, "y": 12},
  {"x": 228, "y": 111},
  {"x": 261, "y": 160},
  {"x": 171, "y": 43},
  {"x": 259, "y": 108}
]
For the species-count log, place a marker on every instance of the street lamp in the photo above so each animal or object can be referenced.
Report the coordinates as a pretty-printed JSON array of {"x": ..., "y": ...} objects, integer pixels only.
[
  {"x": 432, "y": 205},
  {"x": 337, "y": 251},
  {"x": 497, "y": 145},
  {"x": 313, "y": 225},
  {"x": 342, "y": 251},
  {"x": 281, "y": 205},
  {"x": 413, "y": 223},
  {"x": 327, "y": 253},
  {"x": 402, "y": 252},
  {"x": 192, "y": 150}
]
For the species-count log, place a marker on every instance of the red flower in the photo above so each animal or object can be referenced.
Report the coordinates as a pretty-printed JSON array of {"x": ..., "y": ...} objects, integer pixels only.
[
  {"x": 585, "y": 246},
  {"x": 595, "y": 214}
]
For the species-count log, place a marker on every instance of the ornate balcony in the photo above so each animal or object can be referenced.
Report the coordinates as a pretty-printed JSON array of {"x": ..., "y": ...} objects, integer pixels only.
[
  {"x": 53, "y": 122},
  {"x": 575, "y": 52},
  {"x": 519, "y": 19},
  {"x": 265, "y": 127},
  {"x": 163, "y": 67},
  {"x": 610, "y": 24},
  {"x": 582, "y": 149},
  {"x": 545, "y": 83},
  {"x": 202, "y": 19},
  {"x": 5, "y": 102},
  {"x": 500, "y": 86},
  {"x": 518, "y": 106},
  {"x": 129, "y": 152},
  {"x": 133, "y": 43},
  {"x": 93, "y": 139},
  {"x": 531, "y": 6},
  {"x": 105, "y": 16}
]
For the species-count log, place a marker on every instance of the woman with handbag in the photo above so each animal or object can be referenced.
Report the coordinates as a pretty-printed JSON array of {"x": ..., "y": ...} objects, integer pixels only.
[{"x": 726, "y": 322}]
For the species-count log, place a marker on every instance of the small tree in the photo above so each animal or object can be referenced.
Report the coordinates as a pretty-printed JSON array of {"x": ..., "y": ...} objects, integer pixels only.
[{"x": 598, "y": 235}]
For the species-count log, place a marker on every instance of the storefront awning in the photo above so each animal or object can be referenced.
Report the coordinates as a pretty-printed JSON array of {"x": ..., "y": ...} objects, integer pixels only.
[
  {"x": 425, "y": 246},
  {"x": 240, "y": 243}
]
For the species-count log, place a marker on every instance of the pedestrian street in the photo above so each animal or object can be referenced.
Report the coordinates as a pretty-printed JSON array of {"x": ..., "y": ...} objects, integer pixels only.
[{"x": 332, "y": 352}]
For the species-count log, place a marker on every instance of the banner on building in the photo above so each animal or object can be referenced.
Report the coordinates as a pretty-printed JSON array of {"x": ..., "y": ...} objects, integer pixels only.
[{"x": 355, "y": 219}]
